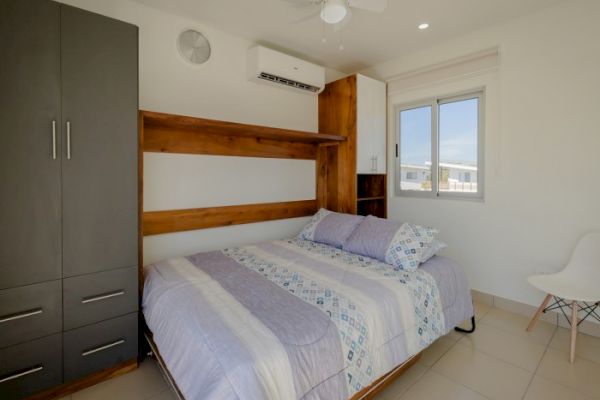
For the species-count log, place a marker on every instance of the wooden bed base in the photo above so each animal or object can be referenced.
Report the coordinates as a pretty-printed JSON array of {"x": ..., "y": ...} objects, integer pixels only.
[{"x": 365, "y": 394}]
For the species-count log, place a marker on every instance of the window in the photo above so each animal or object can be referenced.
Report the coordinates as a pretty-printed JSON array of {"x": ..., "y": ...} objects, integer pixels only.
[{"x": 440, "y": 147}]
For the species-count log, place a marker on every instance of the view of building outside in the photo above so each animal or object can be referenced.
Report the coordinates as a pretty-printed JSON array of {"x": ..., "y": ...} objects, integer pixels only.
[
  {"x": 453, "y": 177},
  {"x": 457, "y": 135}
]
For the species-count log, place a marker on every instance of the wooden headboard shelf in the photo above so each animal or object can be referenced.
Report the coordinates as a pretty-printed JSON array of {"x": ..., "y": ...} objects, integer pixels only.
[
  {"x": 166, "y": 133},
  {"x": 157, "y": 222}
]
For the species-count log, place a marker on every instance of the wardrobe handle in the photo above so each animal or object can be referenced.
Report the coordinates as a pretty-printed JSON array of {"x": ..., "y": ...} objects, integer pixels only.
[
  {"x": 54, "y": 139},
  {"x": 103, "y": 347},
  {"x": 102, "y": 297},
  {"x": 24, "y": 314},
  {"x": 68, "y": 140},
  {"x": 22, "y": 373}
]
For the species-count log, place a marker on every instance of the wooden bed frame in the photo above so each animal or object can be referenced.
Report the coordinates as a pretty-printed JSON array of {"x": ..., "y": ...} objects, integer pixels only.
[{"x": 166, "y": 133}]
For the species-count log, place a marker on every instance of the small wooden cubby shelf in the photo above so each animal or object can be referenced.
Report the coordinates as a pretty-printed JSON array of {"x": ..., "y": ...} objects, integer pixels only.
[{"x": 371, "y": 195}]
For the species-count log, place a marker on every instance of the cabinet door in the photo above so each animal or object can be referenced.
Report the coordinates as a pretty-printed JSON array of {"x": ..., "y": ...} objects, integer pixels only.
[
  {"x": 99, "y": 99},
  {"x": 364, "y": 145},
  {"x": 371, "y": 126},
  {"x": 30, "y": 235}
]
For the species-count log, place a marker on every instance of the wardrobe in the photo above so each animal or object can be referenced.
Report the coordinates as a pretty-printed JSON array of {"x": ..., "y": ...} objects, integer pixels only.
[
  {"x": 356, "y": 107},
  {"x": 68, "y": 195}
]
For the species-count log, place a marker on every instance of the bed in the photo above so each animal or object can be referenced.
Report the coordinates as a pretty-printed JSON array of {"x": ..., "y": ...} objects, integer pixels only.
[{"x": 295, "y": 319}]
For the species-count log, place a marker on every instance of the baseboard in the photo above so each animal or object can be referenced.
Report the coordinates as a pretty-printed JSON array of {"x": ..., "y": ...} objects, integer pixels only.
[{"x": 553, "y": 317}]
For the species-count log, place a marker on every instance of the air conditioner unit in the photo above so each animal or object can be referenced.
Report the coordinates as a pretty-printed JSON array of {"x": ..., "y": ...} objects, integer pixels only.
[{"x": 269, "y": 66}]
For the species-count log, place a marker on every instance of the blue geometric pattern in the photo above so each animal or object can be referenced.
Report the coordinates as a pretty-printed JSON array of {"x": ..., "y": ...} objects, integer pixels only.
[
  {"x": 347, "y": 315},
  {"x": 424, "y": 291},
  {"x": 341, "y": 310},
  {"x": 408, "y": 245}
]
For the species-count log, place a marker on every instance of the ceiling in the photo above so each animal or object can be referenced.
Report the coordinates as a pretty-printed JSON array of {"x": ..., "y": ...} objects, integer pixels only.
[{"x": 368, "y": 38}]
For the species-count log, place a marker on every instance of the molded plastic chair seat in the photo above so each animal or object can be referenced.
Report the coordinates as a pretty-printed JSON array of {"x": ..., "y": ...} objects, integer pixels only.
[
  {"x": 567, "y": 286},
  {"x": 578, "y": 282}
]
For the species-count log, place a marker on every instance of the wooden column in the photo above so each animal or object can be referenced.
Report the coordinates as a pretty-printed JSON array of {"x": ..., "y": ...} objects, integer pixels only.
[{"x": 337, "y": 114}]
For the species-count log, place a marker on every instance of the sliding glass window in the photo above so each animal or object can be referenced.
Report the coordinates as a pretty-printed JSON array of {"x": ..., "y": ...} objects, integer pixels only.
[{"x": 439, "y": 148}]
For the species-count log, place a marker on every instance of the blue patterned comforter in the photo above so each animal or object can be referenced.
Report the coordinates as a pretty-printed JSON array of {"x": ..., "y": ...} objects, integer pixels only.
[{"x": 294, "y": 319}]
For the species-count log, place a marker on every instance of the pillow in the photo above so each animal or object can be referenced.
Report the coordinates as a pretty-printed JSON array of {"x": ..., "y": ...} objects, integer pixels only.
[
  {"x": 402, "y": 245},
  {"x": 330, "y": 228},
  {"x": 435, "y": 247}
]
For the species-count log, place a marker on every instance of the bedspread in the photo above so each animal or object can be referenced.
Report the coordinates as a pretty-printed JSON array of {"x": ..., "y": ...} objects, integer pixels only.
[{"x": 294, "y": 319}]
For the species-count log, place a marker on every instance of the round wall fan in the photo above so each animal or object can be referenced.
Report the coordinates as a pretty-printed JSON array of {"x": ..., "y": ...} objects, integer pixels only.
[{"x": 193, "y": 47}]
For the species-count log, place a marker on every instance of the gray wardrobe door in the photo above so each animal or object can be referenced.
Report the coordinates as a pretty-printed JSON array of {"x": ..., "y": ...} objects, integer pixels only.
[
  {"x": 99, "y": 60},
  {"x": 30, "y": 236}
]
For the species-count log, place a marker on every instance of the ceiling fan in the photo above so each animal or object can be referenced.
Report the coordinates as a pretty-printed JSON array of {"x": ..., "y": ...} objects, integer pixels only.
[{"x": 335, "y": 11}]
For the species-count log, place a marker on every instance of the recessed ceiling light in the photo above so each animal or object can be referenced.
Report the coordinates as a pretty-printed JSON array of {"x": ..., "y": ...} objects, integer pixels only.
[{"x": 423, "y": 26}]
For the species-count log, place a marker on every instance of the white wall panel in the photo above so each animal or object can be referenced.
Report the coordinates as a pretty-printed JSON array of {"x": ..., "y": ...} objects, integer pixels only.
[{"x": 176, "y": 181}]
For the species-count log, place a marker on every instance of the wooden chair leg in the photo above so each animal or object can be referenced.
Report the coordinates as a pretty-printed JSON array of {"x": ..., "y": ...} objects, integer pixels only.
[
  {"x": 573, "y": 330},
  {"x": 538, "y": 313}
]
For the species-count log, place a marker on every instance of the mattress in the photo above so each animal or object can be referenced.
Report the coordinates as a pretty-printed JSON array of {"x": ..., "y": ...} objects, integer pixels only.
[{"x": 295, "y": 319}]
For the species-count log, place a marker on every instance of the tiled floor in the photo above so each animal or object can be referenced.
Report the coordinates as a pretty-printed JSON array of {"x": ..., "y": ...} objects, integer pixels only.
[{"x": 499, "y": 361}]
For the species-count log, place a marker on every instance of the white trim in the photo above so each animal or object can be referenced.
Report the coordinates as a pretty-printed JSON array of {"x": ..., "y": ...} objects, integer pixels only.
[{"x": 434, "y": 104}]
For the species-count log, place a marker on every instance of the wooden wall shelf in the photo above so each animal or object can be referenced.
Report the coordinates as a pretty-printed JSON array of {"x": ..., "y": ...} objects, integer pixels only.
[
  {"x": 168, "y": 133},
  {"x": 157, "y": 222}
]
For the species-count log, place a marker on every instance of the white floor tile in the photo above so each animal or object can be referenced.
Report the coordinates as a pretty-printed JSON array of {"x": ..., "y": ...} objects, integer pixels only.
[
  {"x": 583, "y": 375},
  {"x": 436, "y": 386},
  {"x": 483, "y": 373},
  {"x": 140, "y": 384},
  {"x": 515, "y": 349},
  {"x": 401, "y": 385},
  {"x": 545, "y": 389},
  {"x": 516, "y": 324},
  {"x": 436, "y": 350},
  {"x": 588, "y": 347}
]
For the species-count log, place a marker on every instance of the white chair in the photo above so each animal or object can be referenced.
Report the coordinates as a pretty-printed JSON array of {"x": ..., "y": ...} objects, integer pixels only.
[{"x": 578, "y": 283}]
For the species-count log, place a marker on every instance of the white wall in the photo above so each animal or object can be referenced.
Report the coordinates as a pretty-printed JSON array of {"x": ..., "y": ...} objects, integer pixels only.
[
  {"x": 218, "y": 90},
  {"x": 542, "y": 144}
]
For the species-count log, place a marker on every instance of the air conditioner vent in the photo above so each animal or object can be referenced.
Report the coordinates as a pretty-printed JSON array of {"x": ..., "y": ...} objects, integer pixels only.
[
  {"x": 284, "y": 71},
  {"x": 288, "y": 82}
]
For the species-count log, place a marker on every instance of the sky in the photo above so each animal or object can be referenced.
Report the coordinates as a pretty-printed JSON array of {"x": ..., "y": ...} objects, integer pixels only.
[{"x": 458, "y": 133}]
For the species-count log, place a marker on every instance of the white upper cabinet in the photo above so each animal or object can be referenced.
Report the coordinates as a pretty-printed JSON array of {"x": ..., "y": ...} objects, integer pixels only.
[{"x": 371, "y": 124}]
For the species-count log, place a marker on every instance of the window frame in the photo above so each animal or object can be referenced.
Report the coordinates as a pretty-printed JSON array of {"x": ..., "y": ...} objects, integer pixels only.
[{"x": 435, "y": 103}]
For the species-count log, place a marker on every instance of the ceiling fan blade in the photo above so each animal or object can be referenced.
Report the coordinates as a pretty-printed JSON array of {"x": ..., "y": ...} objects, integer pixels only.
[
  {"x": 369, "y": 5},
  {"x": 306, "y": 17},
  {"x": 302, "y": 3}
]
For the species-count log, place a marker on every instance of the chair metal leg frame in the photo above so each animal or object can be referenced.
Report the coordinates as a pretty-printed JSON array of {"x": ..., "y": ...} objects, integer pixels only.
[
  {"x": 588, "y": 309},
  {"x": 458, "y": 329}
]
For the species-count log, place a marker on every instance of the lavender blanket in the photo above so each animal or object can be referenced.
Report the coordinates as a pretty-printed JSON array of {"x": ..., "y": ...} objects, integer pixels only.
[{"x": 294, "y": 319}]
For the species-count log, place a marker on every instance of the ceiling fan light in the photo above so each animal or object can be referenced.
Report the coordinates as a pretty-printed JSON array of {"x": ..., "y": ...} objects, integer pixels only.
[{"x": 334, "y": 11}]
